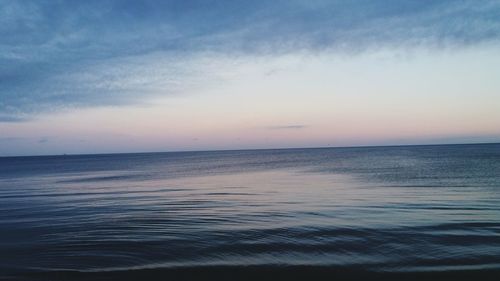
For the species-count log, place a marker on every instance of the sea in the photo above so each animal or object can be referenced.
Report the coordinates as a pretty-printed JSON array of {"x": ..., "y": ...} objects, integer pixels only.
[{"x": 393, "y": 211}]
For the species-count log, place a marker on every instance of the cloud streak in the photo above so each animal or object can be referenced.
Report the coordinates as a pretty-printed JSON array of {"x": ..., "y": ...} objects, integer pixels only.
[
  {"x": 56, "y": 55},
  {"x": 288, "y": 127}
]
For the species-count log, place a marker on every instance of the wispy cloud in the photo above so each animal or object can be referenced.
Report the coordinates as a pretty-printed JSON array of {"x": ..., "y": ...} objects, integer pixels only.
[
  {"x": 287, "y": 127},
  {"x": 85, "y": 53},
  {"x": 9, "y": 117}
]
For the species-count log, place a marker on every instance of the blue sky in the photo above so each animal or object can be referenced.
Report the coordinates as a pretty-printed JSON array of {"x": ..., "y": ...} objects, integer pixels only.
[{"x": 101, "y": 60}]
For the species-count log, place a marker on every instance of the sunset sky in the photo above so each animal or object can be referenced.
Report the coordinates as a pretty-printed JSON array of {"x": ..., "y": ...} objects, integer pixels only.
[{"x": 133, "y": 76}]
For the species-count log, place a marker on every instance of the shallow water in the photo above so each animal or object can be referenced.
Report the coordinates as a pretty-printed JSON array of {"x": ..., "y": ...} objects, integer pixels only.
[{"x": 390, "y": 209}]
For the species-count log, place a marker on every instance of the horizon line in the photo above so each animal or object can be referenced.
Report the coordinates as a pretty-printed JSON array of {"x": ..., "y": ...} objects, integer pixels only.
[{"x": 248, "y": 149}]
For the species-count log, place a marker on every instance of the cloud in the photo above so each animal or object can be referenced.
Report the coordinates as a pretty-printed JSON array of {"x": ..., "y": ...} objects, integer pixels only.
[
  {"x": 287, "y": 127},
  {"x": 57, "y": 55},
  {"x": 11, "y": 118}
]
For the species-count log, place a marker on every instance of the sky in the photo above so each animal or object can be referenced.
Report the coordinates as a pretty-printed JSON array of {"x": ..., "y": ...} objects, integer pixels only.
[{"x": 137, "y": 76}]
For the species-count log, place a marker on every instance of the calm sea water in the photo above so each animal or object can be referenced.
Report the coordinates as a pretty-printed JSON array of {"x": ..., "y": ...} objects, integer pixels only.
[{"x": 389, "y": 209}]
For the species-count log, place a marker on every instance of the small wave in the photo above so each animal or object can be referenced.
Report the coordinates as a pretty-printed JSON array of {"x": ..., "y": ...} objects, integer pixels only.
[
  {"x": 103, "y": 178},
  {"x": 261, "y": 272}
]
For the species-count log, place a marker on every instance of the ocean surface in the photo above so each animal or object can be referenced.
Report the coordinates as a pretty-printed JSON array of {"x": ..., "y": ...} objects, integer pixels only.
[{"x": 368, "y": 209}]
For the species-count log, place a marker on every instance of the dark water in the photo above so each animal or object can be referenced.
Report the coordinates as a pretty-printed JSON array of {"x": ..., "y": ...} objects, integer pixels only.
[{"x": 380, "y": 209}]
